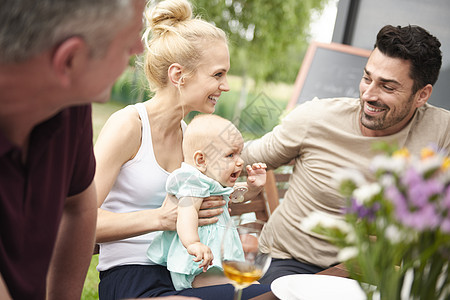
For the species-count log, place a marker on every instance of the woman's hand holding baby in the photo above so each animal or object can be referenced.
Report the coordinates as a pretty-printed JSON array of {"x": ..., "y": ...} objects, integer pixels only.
[
  {"x": 209, "y": 210},
  {"x": 211, "y": 207}
]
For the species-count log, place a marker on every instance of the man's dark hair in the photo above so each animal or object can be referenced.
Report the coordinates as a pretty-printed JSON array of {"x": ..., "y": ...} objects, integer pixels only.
[{"x": 415, "y": 44}]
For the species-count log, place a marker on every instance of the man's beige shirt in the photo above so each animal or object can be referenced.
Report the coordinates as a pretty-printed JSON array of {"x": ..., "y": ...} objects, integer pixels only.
[{"x": 324, "y": 136}]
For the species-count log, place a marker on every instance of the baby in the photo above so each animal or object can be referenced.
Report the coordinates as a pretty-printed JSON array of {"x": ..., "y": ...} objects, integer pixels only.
[{"x": 212, "y": 164}]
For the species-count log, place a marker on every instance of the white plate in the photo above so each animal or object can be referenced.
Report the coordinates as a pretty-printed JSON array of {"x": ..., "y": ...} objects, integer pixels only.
[{"x": 316, "y": 287}]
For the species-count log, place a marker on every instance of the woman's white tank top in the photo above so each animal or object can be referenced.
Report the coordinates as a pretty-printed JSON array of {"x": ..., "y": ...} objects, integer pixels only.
[{"x": 140, "y": 185}]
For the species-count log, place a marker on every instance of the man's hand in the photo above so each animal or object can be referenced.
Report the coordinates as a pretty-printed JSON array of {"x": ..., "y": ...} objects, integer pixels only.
[
  {"x": 201, "y": 252},
  {"x": 209, "y": 210}
]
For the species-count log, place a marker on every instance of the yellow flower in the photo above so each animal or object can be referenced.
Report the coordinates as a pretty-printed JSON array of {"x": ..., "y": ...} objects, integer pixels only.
[
  {"x": 446, "y": 164},
  {"x": 401, "y": 153},
  {"x": 426, "y": 153}
]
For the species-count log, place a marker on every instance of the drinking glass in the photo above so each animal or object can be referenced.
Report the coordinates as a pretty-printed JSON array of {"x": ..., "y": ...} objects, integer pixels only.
[{"x": 242, "y": 261}]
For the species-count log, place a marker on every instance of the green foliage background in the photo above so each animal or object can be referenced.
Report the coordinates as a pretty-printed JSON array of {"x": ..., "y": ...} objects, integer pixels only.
[{"x": 268, "y": 38}]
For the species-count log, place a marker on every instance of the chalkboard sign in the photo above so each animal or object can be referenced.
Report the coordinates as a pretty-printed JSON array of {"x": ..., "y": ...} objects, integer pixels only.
[{"x": 329, "y": 70}]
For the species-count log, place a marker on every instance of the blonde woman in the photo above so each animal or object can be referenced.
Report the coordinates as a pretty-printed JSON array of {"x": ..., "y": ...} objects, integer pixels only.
[{"x": 186, "y": 64}]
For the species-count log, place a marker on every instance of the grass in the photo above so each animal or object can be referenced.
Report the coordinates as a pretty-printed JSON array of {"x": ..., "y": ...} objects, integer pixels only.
[
  {"x": 90, "y": 290},
  {"x": 277, "y": 93}
]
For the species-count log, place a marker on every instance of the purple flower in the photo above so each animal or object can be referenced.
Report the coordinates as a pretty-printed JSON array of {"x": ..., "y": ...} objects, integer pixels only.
[
  {"x": 361, "y": 210},
  {"x": 445, "y": 225},
  {"x": 420, "y": 217},
  {"x": 411, "y": 177},
  {"x": 398, "y": 199},
  {"x": 421, "y": 193},
  {"x": 446, "y": 200},
  {"x": 419, "y": 190}
]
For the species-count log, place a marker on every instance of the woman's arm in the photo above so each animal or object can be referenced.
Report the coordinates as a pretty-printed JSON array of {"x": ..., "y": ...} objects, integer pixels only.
[{"x": 116, "y": 226}]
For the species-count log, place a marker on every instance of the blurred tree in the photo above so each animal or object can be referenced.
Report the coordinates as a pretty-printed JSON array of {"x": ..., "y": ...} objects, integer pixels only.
[{"x": 268, "y": 38}]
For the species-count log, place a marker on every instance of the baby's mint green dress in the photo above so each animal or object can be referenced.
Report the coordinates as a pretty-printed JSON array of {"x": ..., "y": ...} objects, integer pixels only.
[{"x": 166, "y": 249}]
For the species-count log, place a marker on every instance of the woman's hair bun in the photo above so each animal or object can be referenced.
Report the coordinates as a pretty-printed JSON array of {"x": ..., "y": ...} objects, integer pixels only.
[
  {"x": 169, "y": 13},
  {"x": 174, "y": 35}
]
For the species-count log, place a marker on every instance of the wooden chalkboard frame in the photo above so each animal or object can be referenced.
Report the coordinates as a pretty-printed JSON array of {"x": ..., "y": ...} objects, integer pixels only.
[{"x": 308, "y": 60}]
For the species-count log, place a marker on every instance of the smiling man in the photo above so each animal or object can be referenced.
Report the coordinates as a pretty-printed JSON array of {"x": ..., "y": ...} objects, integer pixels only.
[
  {"x": 323, "y": 136},
  {"x": 56, "y": 57},
  {"x": 398, "y": 79}
]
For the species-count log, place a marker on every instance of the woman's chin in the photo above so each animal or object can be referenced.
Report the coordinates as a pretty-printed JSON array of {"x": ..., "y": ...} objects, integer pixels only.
[
  {"x": 206, "y": 110},
  {"x": 210, "y": 108}
]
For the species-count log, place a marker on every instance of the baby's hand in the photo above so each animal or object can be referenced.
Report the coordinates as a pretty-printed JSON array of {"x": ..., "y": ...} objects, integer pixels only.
[
  {"x": 201, "y": 252},
  {"x": 256, "y": 175}
]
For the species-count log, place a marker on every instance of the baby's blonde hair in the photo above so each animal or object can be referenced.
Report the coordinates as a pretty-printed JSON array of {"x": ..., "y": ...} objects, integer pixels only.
[{"x": 174, "y": 36}]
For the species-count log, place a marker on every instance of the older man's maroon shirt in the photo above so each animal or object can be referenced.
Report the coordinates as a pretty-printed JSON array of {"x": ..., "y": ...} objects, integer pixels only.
[{"x": 60, "y": 163}]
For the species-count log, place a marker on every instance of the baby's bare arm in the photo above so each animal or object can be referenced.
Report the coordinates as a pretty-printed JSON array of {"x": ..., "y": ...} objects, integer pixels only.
[
  {"x": 187, "y": 229},
  {"x": 187, "y": 220}
]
